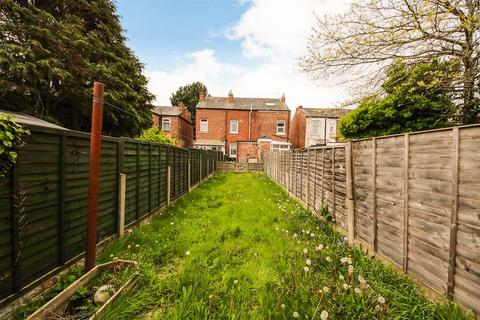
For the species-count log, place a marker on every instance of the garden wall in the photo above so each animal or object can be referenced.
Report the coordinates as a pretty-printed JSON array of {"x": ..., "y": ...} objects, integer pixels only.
[
  {"x": 43, "y": 202},
  {"x": 413, "y": 199}
]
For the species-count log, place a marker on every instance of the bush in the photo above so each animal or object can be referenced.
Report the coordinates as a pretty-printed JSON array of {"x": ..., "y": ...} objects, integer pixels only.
[
  {"x": 11, "y": 137},
  {"x": 154, "y": 134}
]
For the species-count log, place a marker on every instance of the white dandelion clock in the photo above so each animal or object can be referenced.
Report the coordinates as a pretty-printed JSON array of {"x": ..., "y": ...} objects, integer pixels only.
[
  {"x": 308, "y": 262},
  {"x": 324, "y": 315}
]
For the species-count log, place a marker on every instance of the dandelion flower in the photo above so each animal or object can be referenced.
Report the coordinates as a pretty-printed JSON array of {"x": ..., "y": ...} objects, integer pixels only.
[
  {"x": 350, "y": 269},
  {"x": 235, "y": 282},
  {"x": 357, "y": 290},
  {"x": 381, "y": 300},
  {"x": 341, "y": 277},
  {"x": 345, "y": 286},
  {"x": 282, "y": 306},
  {"x": 319, "y": 247},
  {"x": 303, "y": 231},
  {"x": 296, "y": 315},
  {"x": 324, "y": 315},
  {"x": 187, "y": 253},
  {"x": 328, "y": 259},
  {"x": 308, "y": 262},
  {"x": 129, "y": 246},
  {"x": 307, "y": 232},
  {"x": 326, "y": 289},
  {"x": 305, "y": 250},
  {"x": 137, "y": 245},
  {"x": 171, "y": 223},
  {"x": 295, "y": 235},
  {"x": 210, "y": 296},
  {"x": 306, "y": 269},
  {"x": 129, "y": 230},
  {"x": 276, "y": 228},
  {"x": 312, "y": 234}
]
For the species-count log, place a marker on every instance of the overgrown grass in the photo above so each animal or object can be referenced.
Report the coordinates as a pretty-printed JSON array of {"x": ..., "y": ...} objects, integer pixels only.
[{"x": 239, "y": 248}]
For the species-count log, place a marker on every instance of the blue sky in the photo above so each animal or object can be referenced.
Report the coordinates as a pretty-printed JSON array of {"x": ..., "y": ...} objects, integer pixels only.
[{"x": 250, "y": 46}]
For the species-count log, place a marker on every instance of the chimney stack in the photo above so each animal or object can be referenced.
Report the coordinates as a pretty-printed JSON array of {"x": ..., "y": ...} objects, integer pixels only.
[
  {"x": 201, "y": 96},
  {"x": 283, "y": 97},
  {"x": 230, "y": 96}
]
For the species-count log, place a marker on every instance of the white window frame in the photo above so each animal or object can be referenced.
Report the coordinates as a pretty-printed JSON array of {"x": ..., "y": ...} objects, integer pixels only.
[
  {"x": 164, "y": 124},
  {"x": 233, "y": 146},
  {"x": 232, "y": 122},
  {"x": 279, "y": 147},
  {"x": 203, "y": 125},
  {"x": 316, "y": 127},
  {"x": 284, "y": 127}
]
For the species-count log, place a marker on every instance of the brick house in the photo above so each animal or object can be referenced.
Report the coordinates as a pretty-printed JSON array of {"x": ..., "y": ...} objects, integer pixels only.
[
  {"x": 315, "y": 126},
  {"x": 177, "y": 121},
  {"x": 240, "y": 126}
]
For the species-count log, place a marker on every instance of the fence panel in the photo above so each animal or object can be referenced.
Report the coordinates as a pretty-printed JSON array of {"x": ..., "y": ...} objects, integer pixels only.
[
  {"x": 43, "y": 202},
  {"x": 415, "y": 201}
]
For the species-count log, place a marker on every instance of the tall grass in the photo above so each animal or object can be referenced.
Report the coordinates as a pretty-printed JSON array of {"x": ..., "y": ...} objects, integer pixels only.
[{"x": 239, "y": 248}]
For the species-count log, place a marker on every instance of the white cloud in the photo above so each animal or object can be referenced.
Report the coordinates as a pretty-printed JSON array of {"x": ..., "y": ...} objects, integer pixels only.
[{"x": 273, "y": 35}]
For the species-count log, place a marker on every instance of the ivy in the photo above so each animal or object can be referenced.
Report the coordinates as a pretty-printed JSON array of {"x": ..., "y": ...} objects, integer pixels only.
[{"x": 11, "y": 138}]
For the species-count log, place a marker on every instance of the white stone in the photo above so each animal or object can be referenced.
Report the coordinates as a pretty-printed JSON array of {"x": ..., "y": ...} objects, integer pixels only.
[{"x": 103, "y": 294}]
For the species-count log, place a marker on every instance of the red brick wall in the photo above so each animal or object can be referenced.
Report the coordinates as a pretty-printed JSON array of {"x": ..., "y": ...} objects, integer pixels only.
[
  {"x": 180, "y": 129},
  {"x": 216, "y": 124},
  {"x": 264, "y": 124},
  {"x": 263, "y": 148},
  {"x": 298, "y": 129},
  {"x": 246, "y": 151}
]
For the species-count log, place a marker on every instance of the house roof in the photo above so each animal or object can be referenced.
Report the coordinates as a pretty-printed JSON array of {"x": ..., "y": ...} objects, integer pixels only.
[
  {"x": 263, "y": 104},
  {"x": 167, "y": 111},
  {"x": 326, "y": 112},
  {"x": 209, "y": 142},
  {"x": 31, "y": 120}
]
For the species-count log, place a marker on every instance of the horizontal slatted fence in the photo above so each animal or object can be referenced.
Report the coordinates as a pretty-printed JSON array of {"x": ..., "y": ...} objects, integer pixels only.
[
  {"x": 414, "y": 199},
  {"x": 43, "y": 202}
]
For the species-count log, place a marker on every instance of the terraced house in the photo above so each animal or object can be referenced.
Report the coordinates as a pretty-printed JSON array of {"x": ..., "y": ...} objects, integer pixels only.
[
  {"x": 177, "y": 121},
  {"x": 243, "y": 128}
]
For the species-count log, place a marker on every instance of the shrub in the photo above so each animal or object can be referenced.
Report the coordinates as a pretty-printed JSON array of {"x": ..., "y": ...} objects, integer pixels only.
[
  {"x": 154, "y": 134},
  {"x": 11, "y": 137}
]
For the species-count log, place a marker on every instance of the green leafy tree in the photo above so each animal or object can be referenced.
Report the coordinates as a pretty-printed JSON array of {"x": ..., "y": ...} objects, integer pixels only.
[
  {"x": 155, "y": 134},
  {"x": 11, "y": 138},
  {"x": 417, "y": 97},
  {"x": 52, "y": 51},
  {"x": 188, "y": 95}
]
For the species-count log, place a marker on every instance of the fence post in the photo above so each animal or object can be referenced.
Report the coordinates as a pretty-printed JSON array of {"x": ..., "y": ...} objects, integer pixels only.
[
  {"x": 61, "y": 202},
  {"x": 374, "y": 192},
  {"x": 323, "y": 176},
  {"x": 208, "y": 168},
  {"x": 189, "y": 176},
  {"x": 200, "y": 164},
  {"x": 333, "y": 186},
  {"x": 350, "y": 192},
  {"x": 307, "y": 197},
  {"x": 454, "y": 212},
  {"x": 169, "y": 188},
  {"x": 121, "y": 204},
  {"x": 406, "y": 165}
]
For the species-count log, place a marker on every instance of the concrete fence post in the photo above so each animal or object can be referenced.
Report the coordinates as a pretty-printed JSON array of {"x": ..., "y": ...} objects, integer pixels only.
[
  {"x": 350, "y": 192},
  {"x": 169, "y": 187},
  {"x": 121, "y": 204}
]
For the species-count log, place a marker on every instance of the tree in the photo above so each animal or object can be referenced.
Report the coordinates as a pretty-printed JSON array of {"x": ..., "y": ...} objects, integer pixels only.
[
  {"x": 155, "y": 134},
  {"x": 375, "y": 33},
  {"x": 51, "y": 53},
  {"x": 188, "y": 95},
  {"x": 416, "y": 97}
]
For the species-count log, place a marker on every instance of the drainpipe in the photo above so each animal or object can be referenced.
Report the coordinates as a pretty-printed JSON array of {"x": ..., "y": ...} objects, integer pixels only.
[{"x": 249, "y": 124}]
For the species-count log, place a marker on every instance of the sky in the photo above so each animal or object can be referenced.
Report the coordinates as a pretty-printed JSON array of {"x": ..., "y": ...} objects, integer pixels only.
[{"x": 251, "y": 47}]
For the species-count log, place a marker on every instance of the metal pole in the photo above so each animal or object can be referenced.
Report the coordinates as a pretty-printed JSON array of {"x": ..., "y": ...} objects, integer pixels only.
[{"x": 94, "y": 173}]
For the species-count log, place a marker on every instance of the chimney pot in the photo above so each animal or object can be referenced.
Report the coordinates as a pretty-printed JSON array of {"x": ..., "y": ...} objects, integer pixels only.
[
  {"x": 230, "y": 96},
  {"x": 283, "y": 97},
  {"x": 201, "y": 96}
]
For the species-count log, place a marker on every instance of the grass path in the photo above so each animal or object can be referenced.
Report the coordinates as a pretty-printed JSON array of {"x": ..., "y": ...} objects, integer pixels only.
[{"x": 239, "y": 248}]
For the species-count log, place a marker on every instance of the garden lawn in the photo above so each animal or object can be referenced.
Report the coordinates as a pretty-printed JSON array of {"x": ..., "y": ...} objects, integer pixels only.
[{"x": 238, "y": 247}]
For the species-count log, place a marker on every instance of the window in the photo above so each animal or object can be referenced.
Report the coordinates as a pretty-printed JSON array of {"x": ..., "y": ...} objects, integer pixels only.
[
  {"x": 203, "y": 125},
  {"x": 166, "y": 124},
  {"x": 281, "y": 127},
  {"x": 279, "y": 147},
  {"x": 316, "y": 125},
  {"x": 233, "y": 150},
  {"x": 233, "y": 126}
]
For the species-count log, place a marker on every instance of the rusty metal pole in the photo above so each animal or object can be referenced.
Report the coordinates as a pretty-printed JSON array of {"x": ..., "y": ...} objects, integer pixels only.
[{"x": 94, "y": 173}]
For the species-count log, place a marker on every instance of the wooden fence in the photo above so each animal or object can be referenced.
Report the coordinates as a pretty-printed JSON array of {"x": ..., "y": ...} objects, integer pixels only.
[
  {"x": 43, "y": 203},
  {"x": 414, "y": 199}
]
